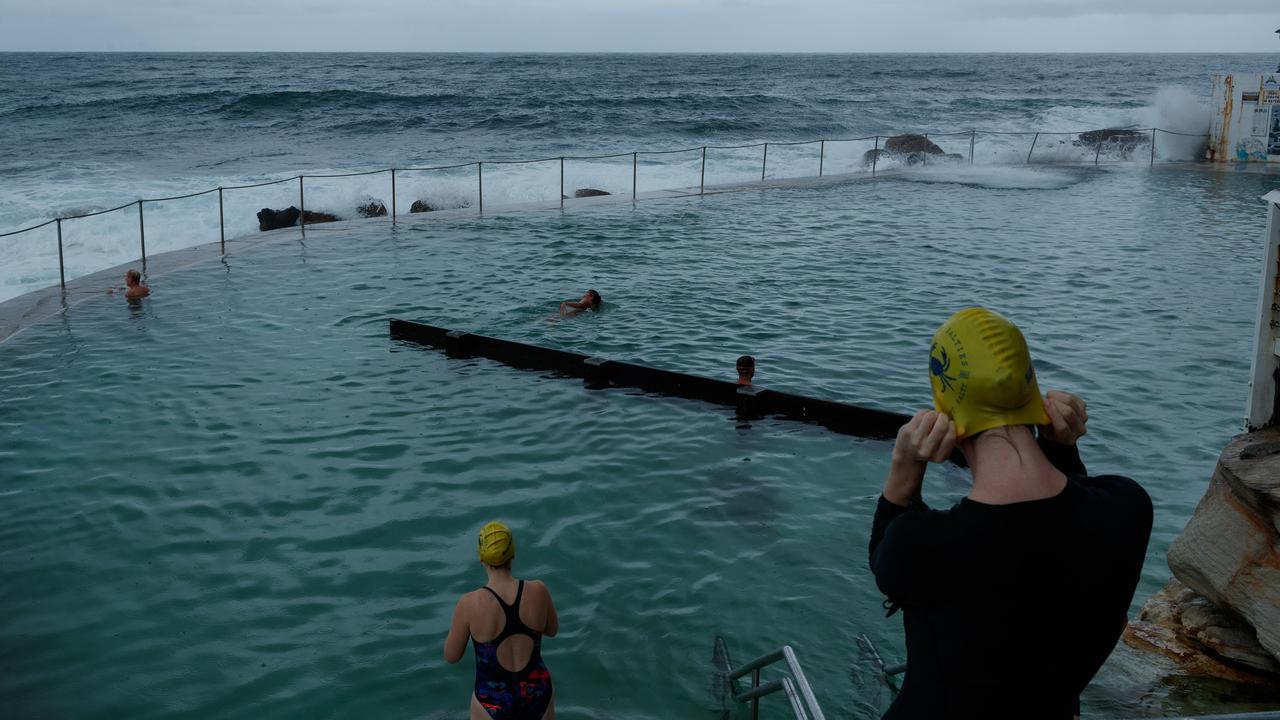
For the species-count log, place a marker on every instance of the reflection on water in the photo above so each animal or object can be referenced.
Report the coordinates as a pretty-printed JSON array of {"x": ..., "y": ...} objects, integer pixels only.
[{"x": 243, "y": 500}]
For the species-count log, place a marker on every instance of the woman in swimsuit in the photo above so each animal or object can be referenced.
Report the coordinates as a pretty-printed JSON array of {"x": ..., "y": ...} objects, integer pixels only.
[{"x": 505, "y": 620}]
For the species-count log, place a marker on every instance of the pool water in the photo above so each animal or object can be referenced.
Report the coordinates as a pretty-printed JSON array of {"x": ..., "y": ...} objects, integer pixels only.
[{"x": 241, "y": 499}]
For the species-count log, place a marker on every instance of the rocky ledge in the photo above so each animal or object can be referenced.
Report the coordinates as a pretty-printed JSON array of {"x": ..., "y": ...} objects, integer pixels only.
[{"x": 1220, "y": 615}]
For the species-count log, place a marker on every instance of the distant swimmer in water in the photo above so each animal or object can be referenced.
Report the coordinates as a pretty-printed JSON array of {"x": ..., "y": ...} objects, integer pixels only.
[
  {"x": 512, "y": 616},
  {"x": 746, "y": 369},
  {"x": 591, "y": 300},
  {"x": 133, "y": 287}
]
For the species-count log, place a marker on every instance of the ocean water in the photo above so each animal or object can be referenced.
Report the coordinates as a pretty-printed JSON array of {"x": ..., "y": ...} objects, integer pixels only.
[
  {"x": 243, "y": 500},
  {"x": 88, "y": 132}
]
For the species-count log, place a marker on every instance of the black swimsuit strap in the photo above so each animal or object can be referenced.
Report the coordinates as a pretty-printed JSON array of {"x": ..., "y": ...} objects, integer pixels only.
[{"x": 513, "y": 625}]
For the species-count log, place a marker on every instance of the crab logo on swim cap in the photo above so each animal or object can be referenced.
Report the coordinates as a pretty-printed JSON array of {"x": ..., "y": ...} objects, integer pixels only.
[
  {"x": 497, "y": 546},
  {"x": 981, "y": 373}
]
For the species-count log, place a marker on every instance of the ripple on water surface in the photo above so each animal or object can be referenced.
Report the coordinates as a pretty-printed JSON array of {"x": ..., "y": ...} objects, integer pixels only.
[{"x": 242, "y": 499}]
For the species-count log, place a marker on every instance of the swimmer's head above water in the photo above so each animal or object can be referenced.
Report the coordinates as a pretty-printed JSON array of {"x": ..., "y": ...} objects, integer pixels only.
[
  {"x": 746, "y": 369},
  {"x": 593, "y": 299}
]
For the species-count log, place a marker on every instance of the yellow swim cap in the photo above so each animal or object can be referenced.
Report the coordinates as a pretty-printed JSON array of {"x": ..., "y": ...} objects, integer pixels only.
[
  {"x": 981, "y": 373},
  {"x": 497, "y": 546}
]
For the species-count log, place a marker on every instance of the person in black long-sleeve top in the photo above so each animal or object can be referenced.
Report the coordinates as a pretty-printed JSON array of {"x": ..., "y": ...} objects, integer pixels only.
[{"x": 1013, "y": 598}]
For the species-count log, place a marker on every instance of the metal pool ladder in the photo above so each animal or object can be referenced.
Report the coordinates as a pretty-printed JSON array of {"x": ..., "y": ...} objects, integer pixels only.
[{"x": 804, "y": 706}]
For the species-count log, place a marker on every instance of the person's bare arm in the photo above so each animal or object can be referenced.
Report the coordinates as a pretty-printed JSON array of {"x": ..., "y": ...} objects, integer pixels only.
[{"x": 459, "y": 630}]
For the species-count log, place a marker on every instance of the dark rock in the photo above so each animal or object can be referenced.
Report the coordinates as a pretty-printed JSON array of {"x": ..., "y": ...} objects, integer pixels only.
[
  {"x": 313, "y": 218},
  {"x": 588, "y": 192},
  {"x": 906, "y": 144},
  {"x": 1113, "y": 136},
  {"x": 372, "y": 208},
  {"x": 269, "y": 219},
  {"x": 420, "y": 206}
]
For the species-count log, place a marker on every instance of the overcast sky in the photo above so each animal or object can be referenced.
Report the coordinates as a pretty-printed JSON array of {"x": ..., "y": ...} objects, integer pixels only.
[{"x": 644, "y": 25}]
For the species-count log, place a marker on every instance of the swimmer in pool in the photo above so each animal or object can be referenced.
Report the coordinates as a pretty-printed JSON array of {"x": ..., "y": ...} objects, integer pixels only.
[
  {"x": 512, "y": 681},
  {"x": 746, "y": 369},
  {"x": 591, "y": 300},
  {"x": 133, "y": 287}
]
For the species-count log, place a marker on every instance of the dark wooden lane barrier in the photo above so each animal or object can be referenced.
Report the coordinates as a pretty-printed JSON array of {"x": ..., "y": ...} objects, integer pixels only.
[{"x": 751, "y": 401}]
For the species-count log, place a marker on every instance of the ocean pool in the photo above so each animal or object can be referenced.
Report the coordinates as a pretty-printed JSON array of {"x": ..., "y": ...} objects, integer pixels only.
[{"x": 241, "y": 499}]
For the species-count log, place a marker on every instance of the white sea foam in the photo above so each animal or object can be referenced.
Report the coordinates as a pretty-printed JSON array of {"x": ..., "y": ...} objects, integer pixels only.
[
  {"x": 991, "y": 176},
  {"x": 30, "y": 261}
]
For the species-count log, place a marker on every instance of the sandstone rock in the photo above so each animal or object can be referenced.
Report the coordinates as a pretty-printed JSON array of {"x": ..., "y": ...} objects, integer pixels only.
[
  {"x": 269, "y": 219},
  {"x": 372, "y": 208},
  {"x": 1229, "y": 552},
  {"x": 1201, "y": 639},
  {"x": 588, "y": 192},
  {"x": 419, "y": 206}
]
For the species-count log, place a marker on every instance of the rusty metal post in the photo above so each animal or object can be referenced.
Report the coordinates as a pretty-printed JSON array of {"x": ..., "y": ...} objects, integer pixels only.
[
  {"x": 222, "y": 224},
  {"x": 1033, "y": 147},
  {"x": 702, "y": 180},
  {"x": 562, "y": 182},
  {"x": 142, "y": 235},
  {"x": 822, "y": 155},
  {"x": 302, "y": 205},
  {"x": 765, "y": 162},
  {"x": 480, "y": 181},
  {"x": 634, "y": 163},
  {"x": 1153, "y": 147},
  {"x": 393, "y": 196},
  {"x": 875, "y": 155},
  {"x": 973, "y": 139},
  {"x": 62, "y": 273}
]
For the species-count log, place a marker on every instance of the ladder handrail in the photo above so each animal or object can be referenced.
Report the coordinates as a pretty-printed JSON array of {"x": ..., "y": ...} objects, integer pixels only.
[{"x": 804, "y": 704}]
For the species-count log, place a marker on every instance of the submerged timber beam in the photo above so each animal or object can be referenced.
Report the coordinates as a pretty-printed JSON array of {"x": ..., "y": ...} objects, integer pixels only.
[{"x": 751, "y": 401}]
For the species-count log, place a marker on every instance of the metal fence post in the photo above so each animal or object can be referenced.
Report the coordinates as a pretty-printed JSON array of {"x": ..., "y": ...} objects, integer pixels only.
[
  {"x": 1153, "y": 147},
  {"x": 765, "y": 162},
  {"x": 562, "y": 182},
  {"x": 222, "y": 224},
  {"x": 480, "y": 181},
  {"x": 62, "y": 273},
  {"x": 755, "y": 701},
  {"x": 142, "y": 235},
  {"x": 702, "y": 180},
  {"x": 302, "y": 204},
  {"x": 393, "y": 196},
  {"x": 634, "y": 162},
  {"x": 822, "y": 155},
  {"x": 1033, "y": 147},
  {"x": 973, "y": 139},
  {"x": 875, "y": 155}
]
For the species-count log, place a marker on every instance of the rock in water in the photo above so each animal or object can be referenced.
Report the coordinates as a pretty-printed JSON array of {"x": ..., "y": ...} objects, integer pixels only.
[
  {"x": 314, "y": 218},
  {"x": 588, "y": 192},
  {"x": 1113, "y": 136},
  {"x": 372, "y": 208},
  {"x": 420, "y": 206},
  {"x": 907, "y": 144},
  {"x": 269, "y": 219}
]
